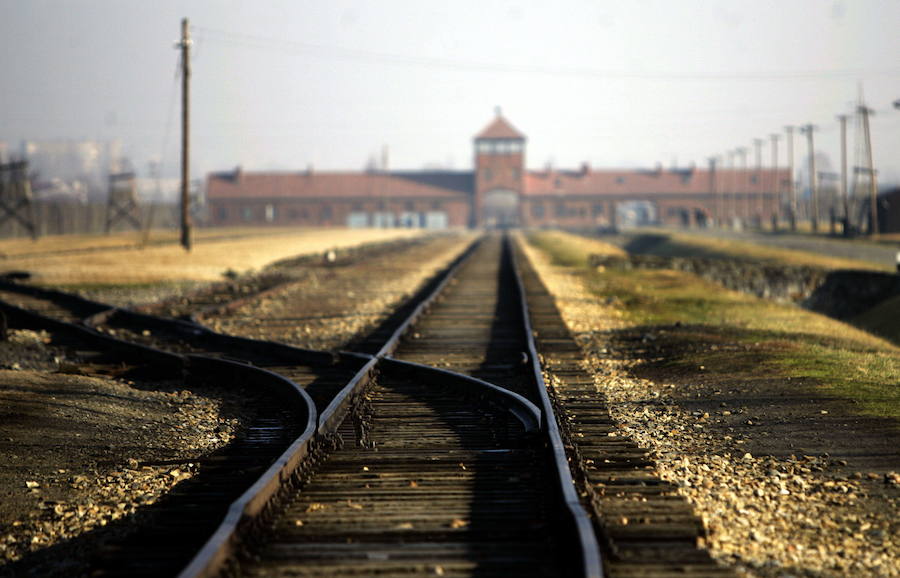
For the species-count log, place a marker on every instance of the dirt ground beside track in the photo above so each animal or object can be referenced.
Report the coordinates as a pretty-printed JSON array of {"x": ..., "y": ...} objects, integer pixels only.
[{"x": 79, "y": 451}]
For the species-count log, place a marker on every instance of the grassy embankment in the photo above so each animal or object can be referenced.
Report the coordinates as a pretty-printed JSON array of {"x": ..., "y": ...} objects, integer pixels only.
[
  {"x": 681, "y": 244},
  {"x": 883, "y": 320},
  {"x": 735, "y": 336}
]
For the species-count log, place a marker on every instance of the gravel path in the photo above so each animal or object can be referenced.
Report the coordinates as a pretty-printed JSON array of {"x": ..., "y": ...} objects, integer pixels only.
[{"x": 771, "y": 514}]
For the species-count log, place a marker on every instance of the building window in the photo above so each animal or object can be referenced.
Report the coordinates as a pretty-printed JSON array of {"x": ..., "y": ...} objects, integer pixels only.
[
  {"x": 598, "y": 209},
  {"x": 223, "y": 213},
  {"x": 499, "y": 146},
  {"x": 753, "y": 179},
  {"x": 270, "y": 213},
  {"x": 409, "y": 206},
  {"x": 326, "y": 213},
  {"x": 247, "y": 213},
  {"x": 560, "y": 209},
  {"x": 620, "y": 180},
  {"x": 437, "y": 205},
  {"x": 537, "y": 210}
]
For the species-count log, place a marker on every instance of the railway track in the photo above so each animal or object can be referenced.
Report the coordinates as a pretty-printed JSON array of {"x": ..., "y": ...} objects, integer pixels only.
[
  {"x": 176, "y": 525},
  {"x": 281, "y": 277},
  {"x": 454, "y": 420},
  {"x": 431, "y": 450},
  {"x": 441, "y": 473},
  {"x": 646, "y": 527}
]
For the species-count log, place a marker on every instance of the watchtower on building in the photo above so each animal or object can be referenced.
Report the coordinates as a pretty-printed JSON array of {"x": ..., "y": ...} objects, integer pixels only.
[{"x": 499, "y": 174}]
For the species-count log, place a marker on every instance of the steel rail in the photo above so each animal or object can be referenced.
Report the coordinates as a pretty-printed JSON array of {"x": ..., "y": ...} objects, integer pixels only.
[
  {"x": 592, "y": 562},
  {"x": 17, "y": 316},
  {"x": 332, "y": 416},
  {"x": 523, "y": 410},
  {"x": 220, "y": 546},
  {"x": 223, "y": 543}
]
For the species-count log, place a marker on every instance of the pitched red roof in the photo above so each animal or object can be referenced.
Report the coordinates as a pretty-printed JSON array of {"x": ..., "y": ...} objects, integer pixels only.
[
  {"x": 500, "y": 128},
  {"x": 619, "y": 182},
  {"x": 241, "y": 184}
]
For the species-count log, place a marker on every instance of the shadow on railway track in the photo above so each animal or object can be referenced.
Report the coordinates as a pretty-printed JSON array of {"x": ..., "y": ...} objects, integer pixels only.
[{"x": 161, "y": 538}]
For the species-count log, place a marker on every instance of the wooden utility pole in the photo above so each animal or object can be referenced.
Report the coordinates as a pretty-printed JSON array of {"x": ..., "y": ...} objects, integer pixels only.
[
  {"x": 742, "y": 152},
  {"x": 789, "y": 130},
  {"x": 813, "y": 180},
  {"x": 185, "y": 46},
  {"x": 757, "y": 145},
  {"x": 870, "y": 167},
  {"x": 776, "y": 184},
  {"x": 732, "y": 189},
  {"x": 842, "y": 118},
  {"x": 717, "y": 204}
]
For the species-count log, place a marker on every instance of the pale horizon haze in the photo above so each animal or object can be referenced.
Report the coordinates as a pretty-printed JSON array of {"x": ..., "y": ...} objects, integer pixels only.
[{"x": 292, "y": 84}]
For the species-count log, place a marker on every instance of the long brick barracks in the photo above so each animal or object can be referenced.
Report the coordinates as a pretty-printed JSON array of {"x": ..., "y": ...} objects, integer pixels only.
[{"x": 500, "y": 192}]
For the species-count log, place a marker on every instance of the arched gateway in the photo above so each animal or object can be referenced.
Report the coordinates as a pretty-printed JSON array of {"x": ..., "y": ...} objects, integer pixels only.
[{"x": 499, "y": 174}]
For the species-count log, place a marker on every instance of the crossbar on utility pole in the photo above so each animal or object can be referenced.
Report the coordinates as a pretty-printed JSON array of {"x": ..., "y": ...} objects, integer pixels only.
[{"x": 185, "y": 46}]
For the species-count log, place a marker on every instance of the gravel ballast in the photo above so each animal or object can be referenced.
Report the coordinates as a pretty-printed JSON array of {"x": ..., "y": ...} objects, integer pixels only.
[{"x": 798, "y": 486}]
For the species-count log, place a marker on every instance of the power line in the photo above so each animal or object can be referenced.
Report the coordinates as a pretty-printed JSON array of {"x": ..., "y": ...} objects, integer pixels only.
[{"x": 337, "y": 52}]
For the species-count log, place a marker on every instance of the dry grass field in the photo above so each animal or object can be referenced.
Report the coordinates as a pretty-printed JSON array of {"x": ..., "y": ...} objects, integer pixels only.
[{"x": 122, "y": 259}]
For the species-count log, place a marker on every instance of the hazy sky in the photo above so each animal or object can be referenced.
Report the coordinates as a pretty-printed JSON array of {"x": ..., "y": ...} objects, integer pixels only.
[{"x": 281, "y": 85}]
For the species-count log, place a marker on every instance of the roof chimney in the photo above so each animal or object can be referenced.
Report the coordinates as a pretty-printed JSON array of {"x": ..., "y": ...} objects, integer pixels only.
[
  {"x": 585, "y": 168},
  {"x": 309, "y": 170},
  {"x": 238, "y": 173}
]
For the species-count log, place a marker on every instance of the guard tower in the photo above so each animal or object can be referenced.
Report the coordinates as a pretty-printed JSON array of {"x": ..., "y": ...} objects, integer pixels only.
[
  {"x": 499, "y": 174},
  {"x": 15, "y": 196},
  {"x": 122, "y": 204}
]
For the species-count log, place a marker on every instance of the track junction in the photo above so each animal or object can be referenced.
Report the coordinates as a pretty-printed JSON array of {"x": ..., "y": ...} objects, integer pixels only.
[{"x": 433, "y": 446}]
